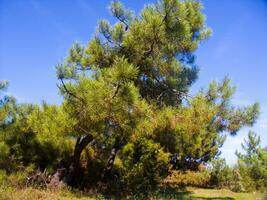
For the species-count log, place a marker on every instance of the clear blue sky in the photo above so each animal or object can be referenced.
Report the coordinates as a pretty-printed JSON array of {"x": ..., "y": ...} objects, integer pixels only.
[{"x": 35, "y": 35}]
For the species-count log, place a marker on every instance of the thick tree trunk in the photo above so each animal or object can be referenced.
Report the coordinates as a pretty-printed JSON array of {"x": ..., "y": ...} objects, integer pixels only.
[{"x": 75, "y": 170}]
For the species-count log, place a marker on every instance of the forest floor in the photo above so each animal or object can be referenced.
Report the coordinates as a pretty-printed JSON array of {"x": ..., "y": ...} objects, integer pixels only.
[{"x": 189, "y": 194}]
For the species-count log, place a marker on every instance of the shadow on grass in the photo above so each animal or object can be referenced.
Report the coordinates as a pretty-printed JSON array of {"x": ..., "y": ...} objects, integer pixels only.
[
  {"x": 163, "y": 193},
  {"x": 172, "y": 193},
  {"x": 183, "y": 194}
]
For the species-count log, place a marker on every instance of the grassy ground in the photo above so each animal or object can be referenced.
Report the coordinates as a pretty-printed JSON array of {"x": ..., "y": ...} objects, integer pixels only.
[
  {"x": 190, "y": 194},
  {"x": 225, "y": 194}
]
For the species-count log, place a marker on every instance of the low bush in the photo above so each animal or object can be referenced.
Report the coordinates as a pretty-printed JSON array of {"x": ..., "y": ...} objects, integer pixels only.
[
  {"x": 187, "y": 178},
  {"x": 220, "y": 173},
  {"x": 144, "y": 165}
]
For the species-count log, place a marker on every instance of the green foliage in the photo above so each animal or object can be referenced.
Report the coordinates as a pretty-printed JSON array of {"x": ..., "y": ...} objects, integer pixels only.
[
  {"x": 14, "y": 138},
  {"x": 223, "y": 176},
  {"x": 220, "y": 173},
  {"x": 24, "y": 147},
  {"x": 151, "y": 42},
  {"x": 237, "y": 181},
  {"x": 52, "y": 126},
  {"x": 252, "y": 164},
  {"x": 194, "y": 133},
  {"x": 5, "y": 161},
  {"x": 7, "y": 104},
  {"x": 149, "y": 60},
  {"x": 144, "y": 165},
  {"x": 32, "y": 135}
]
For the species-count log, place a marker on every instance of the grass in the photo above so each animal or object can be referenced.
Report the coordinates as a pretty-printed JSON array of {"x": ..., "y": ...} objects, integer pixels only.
[
  {"x": 224, "y": 194},
  {"x": 209, "y": 194},
  {"x": 189, "y": 194}
]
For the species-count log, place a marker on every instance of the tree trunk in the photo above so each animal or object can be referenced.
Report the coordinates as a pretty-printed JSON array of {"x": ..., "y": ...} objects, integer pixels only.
[
  {"x": 107, "y": 171},
  {"x": 75, "y": 170}
]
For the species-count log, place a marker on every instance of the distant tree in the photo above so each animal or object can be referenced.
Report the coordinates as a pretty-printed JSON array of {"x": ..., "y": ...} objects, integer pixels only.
[
  {"x": 252, "y": 163},
  {"x": 13, "y": 132},
  {"x": 6, "y": 105},
  {"x": 31, "y": 135},
  {"x": 52, "y": 129}
]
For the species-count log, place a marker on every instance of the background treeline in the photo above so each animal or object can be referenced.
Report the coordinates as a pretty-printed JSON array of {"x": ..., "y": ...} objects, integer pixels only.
[{"x": 127, "y": 123}]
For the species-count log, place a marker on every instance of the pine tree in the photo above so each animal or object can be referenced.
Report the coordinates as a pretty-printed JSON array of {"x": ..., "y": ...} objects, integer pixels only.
[
  {"x": 128, "y": 89},
  {"x": 6, "y": 104},
  {"x": 252, "y": 163}
]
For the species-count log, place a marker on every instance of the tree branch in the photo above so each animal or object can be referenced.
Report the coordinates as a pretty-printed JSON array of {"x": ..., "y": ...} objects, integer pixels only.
[{"x": 69, "y": 92}]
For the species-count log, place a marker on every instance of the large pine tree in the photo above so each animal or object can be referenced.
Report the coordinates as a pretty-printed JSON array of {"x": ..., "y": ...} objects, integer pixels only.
[{"x": 127, "y": 94}]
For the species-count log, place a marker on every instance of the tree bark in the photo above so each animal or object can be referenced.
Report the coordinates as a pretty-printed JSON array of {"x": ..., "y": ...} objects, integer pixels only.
[
  {"x": 107, "y": 171},
  {"x": 80, "y": 145}
]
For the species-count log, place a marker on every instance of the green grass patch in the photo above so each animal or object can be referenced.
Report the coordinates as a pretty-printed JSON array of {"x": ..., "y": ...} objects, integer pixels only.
[{"x": 205, "y": 194}]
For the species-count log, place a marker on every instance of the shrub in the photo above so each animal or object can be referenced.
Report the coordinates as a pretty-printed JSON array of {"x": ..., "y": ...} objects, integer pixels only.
[
  {"x": 144, "y": 163},
  {"x": 18, "y": 179},
  {"x": 220, "y": 173},
  {"x": 237, "y": 185},
  {"x": 5, "y": 156},
  {"x": 187, "y": 178}
]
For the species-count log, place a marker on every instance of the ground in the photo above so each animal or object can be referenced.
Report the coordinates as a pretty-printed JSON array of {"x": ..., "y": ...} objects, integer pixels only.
[
  {"x": 189, "y": 194},
  {"x": 225, "y": 194}
]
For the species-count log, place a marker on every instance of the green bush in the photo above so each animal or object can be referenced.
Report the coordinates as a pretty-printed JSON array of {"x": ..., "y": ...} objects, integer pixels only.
[
  {"x": 237, "y": 184},
  {"x": 224, "y": 176},
  {"x": 145, "y": 164},
  {"x": 221, "y": 175},
  {"x": 5, "y": 157}
]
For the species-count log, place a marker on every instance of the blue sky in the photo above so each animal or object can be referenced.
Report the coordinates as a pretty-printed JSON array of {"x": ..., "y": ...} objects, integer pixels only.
[{"x": 35, "y": 35}]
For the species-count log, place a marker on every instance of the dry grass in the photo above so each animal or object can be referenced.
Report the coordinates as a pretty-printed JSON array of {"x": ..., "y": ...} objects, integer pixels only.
[{"x": 35, "y": 194}]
